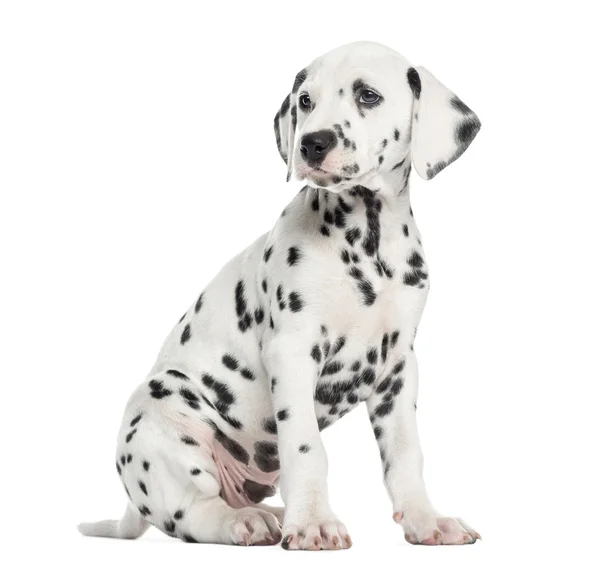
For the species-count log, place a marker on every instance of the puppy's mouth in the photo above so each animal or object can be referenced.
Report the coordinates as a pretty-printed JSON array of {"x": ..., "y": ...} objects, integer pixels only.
[{"x": 320, "y": 177}]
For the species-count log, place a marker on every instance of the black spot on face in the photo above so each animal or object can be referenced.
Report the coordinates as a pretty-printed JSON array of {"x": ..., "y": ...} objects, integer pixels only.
[
  {"x": 341, "y": 92},
  {"x": 300, "y": 78},
  {"x": 247, "y": 374},
  {"x": 273, "y": 384},
  {"x": 188, "y": 538}
]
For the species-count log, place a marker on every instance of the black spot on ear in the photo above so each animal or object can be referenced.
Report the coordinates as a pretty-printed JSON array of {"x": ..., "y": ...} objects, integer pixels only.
[
  {"x": 466, "y": 131},
  {"x": 285, "y": 106},
  {"x": 414, "y": 82},
  {"x": 459, "y": 105},
  {"x": 300, "y": 78}
]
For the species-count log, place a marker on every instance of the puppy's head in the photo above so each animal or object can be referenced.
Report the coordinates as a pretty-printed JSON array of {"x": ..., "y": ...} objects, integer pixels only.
[{"x": 362, "y": 109}]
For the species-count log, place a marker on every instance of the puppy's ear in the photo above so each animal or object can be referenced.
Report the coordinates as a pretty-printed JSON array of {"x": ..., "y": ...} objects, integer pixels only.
[
  {"x": 442, "y": 125},
  {"x": 285, "y": 123}
]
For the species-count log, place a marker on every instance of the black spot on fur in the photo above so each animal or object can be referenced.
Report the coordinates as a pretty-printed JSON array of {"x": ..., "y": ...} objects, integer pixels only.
[
  {"x": 266, "y": 456},
  {"x": 460, "y": 106},
  {"x": 300, "y": 78},
  {"x": 273, "y": 384},
  {"x": 186, "y": 334},
  {"x": 396, "y": 134},
  {"x": 190, "y": 398},
  {"x": 324, "y": 230},
  {"x": 304, "y": 448},
  {"x": 332, "y": 367},
  {"x": 372, "y": 356},
  {"x": 224, "y": 396},
  {"x": 352, "y": 235},
  {"x": 146, "y": 466},
  {"x": 296, "y": 303},
  {"x": 232, "y": 446},
  {"x": 247, "y": 374},
  {"x": 199, "y": 301},
  {"x": 259, "y": 315},
  {"x": 188, "y": 440},
  {"x": 405, "y": 230},
  {"x": 144, "y": 511},
  {"x": 414, "y": 82},
  {"x": 323, "y": 422},
  {"x": 257, "y": 492},
  {"x": 143, "y": 488},
  {"x": 135, "y": 420},
  {"x": 169, "y": 526},
  {"x": 264, "y": 285},
  {"x": 188, "y": 538},
  {"x": 230, "y": 362},
  {"x": 270, "y": 425},
  {"x": 283, "y": 415},
  {"x": 315, "y": 353},
  {"x": 157, "y": 390},
  {"x": 384, "y": 346},
  {"x": 394, "y": 338},
  {"x": 177, "y": 374},
  {"x": 293, "y": 255},
  {"x": 178, "y": 515},
  {"x": 130, "y": 435}
]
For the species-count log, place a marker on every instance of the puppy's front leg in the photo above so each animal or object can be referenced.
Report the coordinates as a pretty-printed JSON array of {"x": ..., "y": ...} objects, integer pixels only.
[
  {"x": 392, "y": 410},
  {"x": 309, "y": 522}
]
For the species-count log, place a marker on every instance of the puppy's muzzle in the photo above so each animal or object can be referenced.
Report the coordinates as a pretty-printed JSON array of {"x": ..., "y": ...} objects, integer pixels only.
[{"x": 316, "y": 145}]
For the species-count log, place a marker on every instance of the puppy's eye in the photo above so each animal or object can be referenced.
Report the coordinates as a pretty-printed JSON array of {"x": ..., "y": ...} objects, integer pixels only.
[
  {"x": 304, "y": 101},
  {"x": 369, "y": 97}
]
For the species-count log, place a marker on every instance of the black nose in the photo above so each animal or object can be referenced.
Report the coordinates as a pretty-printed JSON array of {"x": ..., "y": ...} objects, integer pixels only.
[{"x": 314, "y": 147}]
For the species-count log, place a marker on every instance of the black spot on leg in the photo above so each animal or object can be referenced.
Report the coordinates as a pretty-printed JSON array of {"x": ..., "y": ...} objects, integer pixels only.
[
  {"x": 144, "y": 511},
  {"x": 264, "y": 286},
  {"x": 129, "y": 458},
  {"x": 283, "y": 415},
  {"x": 405, "y": 230},
  {"x": 384, "y": 346},
  {"x": 190, "y": 398},
  {"x": 378, "y": 432},
  {"x": 169, "y": 526},
  {"x": 247, "y": 374},
  {"x": 188, "y": 538},
  {"x": 130, "y": 435},
  {"x": 304, "y": 448},
  {"x": 325, "y": 230},
  {"x": 178, "y": 515},
  {"x": 323, "y": 422},
  {"x": 394, "y": 338},
  {"x": 396, "y": 134},
  {"x": 188, "y": 440},
  {"x": 146, "y": 466},
  {"x": 143, "y": 488},
  {"x": 300, "y": 78},
  {"x": 273, "y": 384}
]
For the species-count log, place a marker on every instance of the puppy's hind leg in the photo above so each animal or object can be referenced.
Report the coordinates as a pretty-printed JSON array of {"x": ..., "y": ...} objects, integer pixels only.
[{"x": 130, "y": 526}]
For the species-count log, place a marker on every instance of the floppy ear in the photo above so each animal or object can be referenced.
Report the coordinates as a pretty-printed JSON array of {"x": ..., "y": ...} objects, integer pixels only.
[
  {"x": 285, "y": 123},
  {"x": 442, "y": 125}
]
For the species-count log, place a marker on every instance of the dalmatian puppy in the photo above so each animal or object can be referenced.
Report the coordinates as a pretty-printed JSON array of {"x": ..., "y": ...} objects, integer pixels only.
[{"x": 312, "y": 319}]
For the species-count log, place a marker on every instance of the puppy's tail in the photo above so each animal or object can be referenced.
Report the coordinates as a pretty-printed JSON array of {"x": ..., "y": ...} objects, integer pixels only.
[{"x": 130, "y": 526}]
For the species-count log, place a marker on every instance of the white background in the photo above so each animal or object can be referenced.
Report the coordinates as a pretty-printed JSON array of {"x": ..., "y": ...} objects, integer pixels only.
[{"x": 137, "y": 155}]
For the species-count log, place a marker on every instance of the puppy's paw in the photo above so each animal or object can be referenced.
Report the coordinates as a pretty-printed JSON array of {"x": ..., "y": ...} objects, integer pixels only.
[
  {"x": 253, "y": 526},
  {"x": 426, "y": 529},
  {"x": 314, "y": 535}
]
